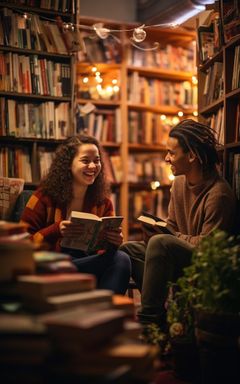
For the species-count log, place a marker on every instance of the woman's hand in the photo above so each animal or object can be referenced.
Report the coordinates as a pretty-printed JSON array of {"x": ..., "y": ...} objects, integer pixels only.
[
  {"x": 68, "y": 229},
  {"x": 114, "y": 236}
]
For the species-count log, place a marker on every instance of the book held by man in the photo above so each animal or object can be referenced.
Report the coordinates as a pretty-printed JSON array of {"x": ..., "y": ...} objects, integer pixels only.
[
  {"x": 151, "y": 220},
  {"x": 91, "y": 233}
]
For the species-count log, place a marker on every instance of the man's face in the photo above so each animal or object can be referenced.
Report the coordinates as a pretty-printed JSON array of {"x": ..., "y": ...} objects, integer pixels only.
[{"x": 179, "y": 160}]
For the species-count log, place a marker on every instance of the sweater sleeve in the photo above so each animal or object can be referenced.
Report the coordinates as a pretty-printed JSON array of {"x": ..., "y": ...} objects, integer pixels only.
[
  {"x": 216, "y": 216},
  {"x": 35, "y": 216}
]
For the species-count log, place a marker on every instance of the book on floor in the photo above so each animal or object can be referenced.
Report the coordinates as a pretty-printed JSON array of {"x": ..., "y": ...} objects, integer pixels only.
[
  {"x": 91, "y": 231},
  {"x": 150, "y": 220},
  {"x": 42, "y": 286}
]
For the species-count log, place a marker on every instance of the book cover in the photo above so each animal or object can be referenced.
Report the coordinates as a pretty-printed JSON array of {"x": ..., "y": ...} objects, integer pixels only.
[
  {"x": 42, "y": 286},
  {"x": 151, "y": 220},
  {"x": 92, "y": 227}
]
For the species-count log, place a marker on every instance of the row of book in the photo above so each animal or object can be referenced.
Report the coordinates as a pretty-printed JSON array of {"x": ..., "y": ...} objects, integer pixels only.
[
  {"x": 32, "y": 33},
  {"x": 148, "y": 168},
  {"x": 15, "y": 162},
  {"x": 155, "y": 202},
  {"x": 216, "y": 122},
  {"x": 97, "y": 50},
  {"x": 104, "y": 124},
  {"x": 235, "y": 162},
  {"x": 210, "y": 37},
  {"x": 168, "y": 56},
  {"x": 236, "y": 68},
  {"x": 29, "y": 74},
  {"x": 56, "y": 5},
  {"x": 45, "y": 120},
  {"x": 158, "y": 92},
  {"x": 214, "y": 83},
  {"x": 147, "y": 128}
]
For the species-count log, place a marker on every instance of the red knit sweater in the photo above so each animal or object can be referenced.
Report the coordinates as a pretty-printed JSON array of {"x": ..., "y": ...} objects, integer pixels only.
[{"x": 43, "y": 216}]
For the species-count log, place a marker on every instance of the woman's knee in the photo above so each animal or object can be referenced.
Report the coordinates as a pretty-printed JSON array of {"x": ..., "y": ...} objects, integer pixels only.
[{"x": 122, "y": 259}]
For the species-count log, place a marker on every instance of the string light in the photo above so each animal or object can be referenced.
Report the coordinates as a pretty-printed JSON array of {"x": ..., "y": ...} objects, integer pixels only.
[
  {"x": 155, "y": 184},
  {"x": 195, "y": 113},
  {"x": 163, "y": 117},
  {"x": 116, "y": 88},
  {"x": 139, "y": 34},
  {"x": 180, "y": 114},
  {"x": 114, "y": 81},
  {"x": 101, "y": 31},
  {"x": 94, "y": 69},
  {"x": 194, "y": 80},
  {"x": 175, "y": 120},
  {"x": 85, "y": 80}
]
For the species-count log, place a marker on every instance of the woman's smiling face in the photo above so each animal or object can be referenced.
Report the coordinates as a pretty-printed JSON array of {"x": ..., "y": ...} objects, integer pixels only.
[{"x": 86, "y": 165}]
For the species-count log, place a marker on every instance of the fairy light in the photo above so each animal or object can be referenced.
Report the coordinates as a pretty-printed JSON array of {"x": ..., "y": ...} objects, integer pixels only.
[
  {"x": 116, "y": 88},
  {"x": 139, "y": 34},
  {"x": 85, "y": 80},
  {"x": 180, "y": 113},
  {"x": 155, "y": 184},
  {"x": 175, "y": 120},
  {"x": 163, "y": 117},
  {"x": 171, "y": 177},
  {"x": 114, "y": 81},
  {"x": 94, "y": 69},
  {"x": 194, "y": 80},
  {"x": 99, "y": 79},
  {"x": 97, "y": 74},
  {"x": 195, "y": 113}
]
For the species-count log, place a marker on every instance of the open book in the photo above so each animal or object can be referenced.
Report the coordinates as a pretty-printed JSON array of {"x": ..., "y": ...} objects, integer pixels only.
[
  {"x": 151, "y": 220},
  {"x": 89, "y": 237}
]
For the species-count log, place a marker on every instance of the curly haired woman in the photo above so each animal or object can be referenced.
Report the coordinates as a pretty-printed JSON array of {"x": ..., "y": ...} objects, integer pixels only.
[{"x": 76, "y": 181}]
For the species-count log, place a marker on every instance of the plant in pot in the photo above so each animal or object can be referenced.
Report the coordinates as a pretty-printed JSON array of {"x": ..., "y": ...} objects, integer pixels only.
[{"x": 214, "y": 293}]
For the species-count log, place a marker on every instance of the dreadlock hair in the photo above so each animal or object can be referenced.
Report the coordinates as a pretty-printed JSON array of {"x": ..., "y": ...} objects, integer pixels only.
[
  {"x": 58, "y": 182},
  {"x": 199, "y": 139}
]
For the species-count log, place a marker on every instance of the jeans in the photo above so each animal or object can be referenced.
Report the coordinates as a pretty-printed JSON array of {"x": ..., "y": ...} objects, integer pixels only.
[
  {"x": 112, "y": 268},
  {"x": 153, "y": 266}
]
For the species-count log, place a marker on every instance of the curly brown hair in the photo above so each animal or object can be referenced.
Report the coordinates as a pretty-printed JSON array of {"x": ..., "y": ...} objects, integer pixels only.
[{"x": 59, "y": 180}]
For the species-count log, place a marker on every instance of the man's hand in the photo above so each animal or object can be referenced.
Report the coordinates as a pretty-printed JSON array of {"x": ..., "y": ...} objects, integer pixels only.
[{"x": 149, "y": 231}]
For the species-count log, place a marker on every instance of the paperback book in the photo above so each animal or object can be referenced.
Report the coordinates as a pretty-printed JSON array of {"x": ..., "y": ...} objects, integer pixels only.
[
  {"x": 91, "y": 231},
  {"x": 150, "y": 221}
]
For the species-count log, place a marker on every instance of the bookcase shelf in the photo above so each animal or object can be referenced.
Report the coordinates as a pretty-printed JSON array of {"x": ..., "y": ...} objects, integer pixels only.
[
  {"x": 37, "y": 93},
  {"x": 224, "y": 114},
  {"x": 142, "y": 143}
]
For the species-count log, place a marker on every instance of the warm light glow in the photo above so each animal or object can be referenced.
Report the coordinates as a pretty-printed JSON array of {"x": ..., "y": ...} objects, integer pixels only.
[
  {"x": 163, "y": 117},
  {"x": 194, "y": 80},
  {"x": 175, "y": 120},
  {"x": 155, "y": 184},
  {"x": 171, "y": 177},
  {"x": 99, "y": 87},
  {"x": 116, "y": 88},
  {"x": 109, "y": 89},
  {"x": 85, "y": 80},
  {"x": 94, "y": 69},
  {"x": 99, "y": 79},
  {"x": 180, "y": 114},
  {"x": 114, "y": 81},
  {"x": 98, "y": 73},
  {"x": 195, "y": 113}
]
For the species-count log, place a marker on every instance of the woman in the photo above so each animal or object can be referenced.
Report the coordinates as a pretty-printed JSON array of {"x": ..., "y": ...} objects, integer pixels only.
[{"x": 76, "y": 181}]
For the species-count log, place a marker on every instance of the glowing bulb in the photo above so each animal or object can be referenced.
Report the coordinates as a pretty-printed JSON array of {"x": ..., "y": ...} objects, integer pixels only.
[
  {"x": 171, "y": 177},
  {"x": 195, "y": 113},
  {"x": 109, "y": 89},
  {"x": 194, "y": 80},
  {"x": 116, "y": 88},
  {"x": 180, "y": 113},
  {"x": 85, "y": 80},
  {"x": 94, "y": 69},
  {"x": 155, "y": 184},
  {"x": 163, "y": 117},
  {"x": 25, "y": 16},
  {"x": 99, "y": 79},
  {"x": 97, "y": 73},
  {"x": 101, "y": 31},
  {"x": 114, "y": 81},
  {"x": 139, "y": 34},
  {"x": 99, "y": 87},
  {"x": 175, "y": 120}
]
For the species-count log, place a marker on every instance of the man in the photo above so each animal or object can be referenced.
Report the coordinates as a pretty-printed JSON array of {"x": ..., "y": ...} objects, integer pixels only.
[{"x": 201, "y": 201}]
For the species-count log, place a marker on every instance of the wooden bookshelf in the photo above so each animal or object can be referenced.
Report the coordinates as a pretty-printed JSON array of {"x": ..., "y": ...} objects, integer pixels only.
[
  {"x": 123, "y": 70},
  {"x": 229, "y": 102},
  {"x": 30, "y": 101}
]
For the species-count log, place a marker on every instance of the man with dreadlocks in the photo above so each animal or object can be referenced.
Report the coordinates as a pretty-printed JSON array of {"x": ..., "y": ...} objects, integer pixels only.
[{"x": 201, "y": 201}]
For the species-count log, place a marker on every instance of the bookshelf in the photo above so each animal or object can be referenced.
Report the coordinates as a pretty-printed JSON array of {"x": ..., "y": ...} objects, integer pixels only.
[
  {"x": 223, "y": 113},
  {"x": 36, "y": 87},
  {"x": 144, "y": 117}
]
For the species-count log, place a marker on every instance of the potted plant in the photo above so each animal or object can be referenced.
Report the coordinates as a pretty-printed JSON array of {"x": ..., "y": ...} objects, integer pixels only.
[{"x": 213, "y": 279}]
